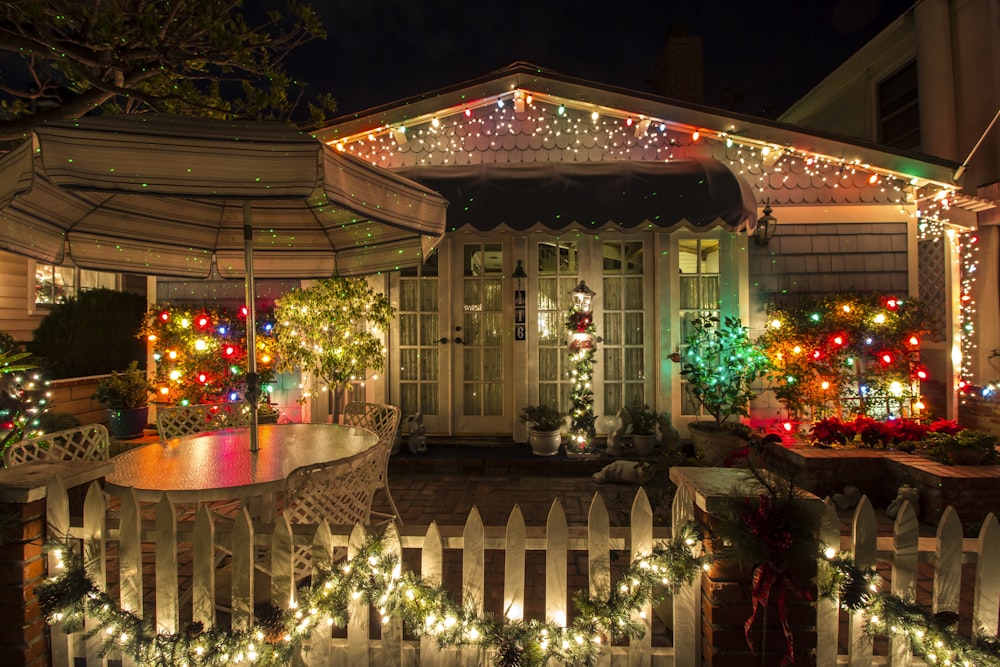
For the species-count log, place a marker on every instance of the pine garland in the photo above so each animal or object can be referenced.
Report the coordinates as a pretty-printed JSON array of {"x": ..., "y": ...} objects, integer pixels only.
[
  {"x": 931, "y": 636},
  {"x": 374, "y": 573}
]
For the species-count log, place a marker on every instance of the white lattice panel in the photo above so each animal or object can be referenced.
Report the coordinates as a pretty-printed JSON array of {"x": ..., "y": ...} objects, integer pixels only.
[
  {"x": 187, "y": 419},
  {"x": 83, "y": 443}
]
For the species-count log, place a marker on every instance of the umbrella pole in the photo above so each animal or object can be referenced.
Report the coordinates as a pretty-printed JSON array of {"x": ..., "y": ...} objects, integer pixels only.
[{"x": 253, "y": 380}]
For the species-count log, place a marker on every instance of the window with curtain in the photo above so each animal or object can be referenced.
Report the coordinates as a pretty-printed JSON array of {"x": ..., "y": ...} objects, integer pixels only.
[
  {"x": 622, "y": 330},
  {"x": 699, "y": 293},
  {"x": 557, "y": 276},
  {"x": 419, "y": 331}
]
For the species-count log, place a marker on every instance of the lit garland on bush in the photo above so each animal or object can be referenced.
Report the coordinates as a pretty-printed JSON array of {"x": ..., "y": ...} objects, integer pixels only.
[
  {"x": 374, "y": 574},
  {"x": 582, "y": 350},
  {"x": 24, "y": 397},
  {"x": 969, "y": 249},
  {"x": 930, "y": 636},
  {"x": 201, "y": 354},
  {"x": 848, "y": 354}
]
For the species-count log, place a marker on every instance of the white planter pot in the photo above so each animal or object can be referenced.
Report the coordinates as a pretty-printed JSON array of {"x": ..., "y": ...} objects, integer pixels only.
[{"x": 544, "y": 443}]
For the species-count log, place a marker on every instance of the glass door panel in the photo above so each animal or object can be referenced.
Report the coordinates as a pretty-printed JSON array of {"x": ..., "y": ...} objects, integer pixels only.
[{"x": 481, "y": 342}]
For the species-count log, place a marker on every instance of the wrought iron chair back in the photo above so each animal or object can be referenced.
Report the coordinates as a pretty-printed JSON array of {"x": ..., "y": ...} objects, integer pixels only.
[
  {"x": 82, "y": 443},
  {"x": 181, "y": 420},
  {"x": 383, "y": 420}
]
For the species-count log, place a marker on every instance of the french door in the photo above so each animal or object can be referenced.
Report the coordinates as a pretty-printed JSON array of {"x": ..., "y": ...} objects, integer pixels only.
[{"x": 452, "y": 360}]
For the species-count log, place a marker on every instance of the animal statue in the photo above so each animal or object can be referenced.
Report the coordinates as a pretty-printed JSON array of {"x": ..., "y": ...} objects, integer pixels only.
[
  {"x": 848, "y": 499},
  {"x": 670, "y": 437},
  {"x": 614, "y": 446},
  {"x": 417, "y": 441},
  {"x": 906, "y": 492},
  {"x": 627, "y": 472}
]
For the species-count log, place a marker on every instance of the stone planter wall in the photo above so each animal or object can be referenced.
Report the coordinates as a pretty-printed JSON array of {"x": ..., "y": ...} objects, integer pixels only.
[
  {"x": 982, "y": 414},
  {"x": 974, "y": 491}
]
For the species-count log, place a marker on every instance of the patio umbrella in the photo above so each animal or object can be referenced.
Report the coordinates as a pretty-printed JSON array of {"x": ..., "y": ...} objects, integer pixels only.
[{"x": 174, "y": 196}]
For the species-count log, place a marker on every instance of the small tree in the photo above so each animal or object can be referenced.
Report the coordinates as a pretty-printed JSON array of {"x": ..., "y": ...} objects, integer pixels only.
[
  {"x": 331, "y": 331},
  {"x": 720, "y": 364},
  {"x": 24, "y": 398}
]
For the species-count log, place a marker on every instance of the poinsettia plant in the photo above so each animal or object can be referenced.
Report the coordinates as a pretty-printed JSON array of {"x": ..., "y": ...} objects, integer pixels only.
[{"x": 872, "y": 433}]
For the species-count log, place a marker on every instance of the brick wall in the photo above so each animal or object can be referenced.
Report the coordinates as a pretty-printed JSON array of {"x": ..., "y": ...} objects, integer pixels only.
[
  {"x": 22, "y": 566},
  {"x": 979, "y": 413}
]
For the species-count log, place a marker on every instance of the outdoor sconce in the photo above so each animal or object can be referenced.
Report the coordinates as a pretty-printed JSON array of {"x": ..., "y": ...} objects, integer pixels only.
[
  {"x": 765, "y": 226},
  {"x": 519, "y": 273},
  {"x": 582, "y": 297}
]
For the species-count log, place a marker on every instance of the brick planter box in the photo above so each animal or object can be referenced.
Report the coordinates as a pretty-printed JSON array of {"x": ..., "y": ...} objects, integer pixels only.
[{"x": 974, "y": 491}]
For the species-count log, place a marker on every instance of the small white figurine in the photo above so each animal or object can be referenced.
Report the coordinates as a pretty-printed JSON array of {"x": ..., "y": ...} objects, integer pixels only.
[
  {"x": 848, "y": 499},
  {"x": 614, "y": 445},
  {"x": 906, "y": 492},
  {"x": 417, "y": 441}
]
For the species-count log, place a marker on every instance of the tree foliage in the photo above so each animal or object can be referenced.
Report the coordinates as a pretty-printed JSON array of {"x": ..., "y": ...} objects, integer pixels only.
[
  {"x": 331, "y": 330},
  {"x": 65, "y": 58}
]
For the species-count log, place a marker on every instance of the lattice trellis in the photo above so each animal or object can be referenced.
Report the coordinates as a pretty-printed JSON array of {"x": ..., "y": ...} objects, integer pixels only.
[
  {"x": 340, "y": 492},
  {"x": 383, "y": 421},
  {"x": 182, "y": 420},
  {"x": 83, "y": 443},
  {"x": 931, "y": 282}
]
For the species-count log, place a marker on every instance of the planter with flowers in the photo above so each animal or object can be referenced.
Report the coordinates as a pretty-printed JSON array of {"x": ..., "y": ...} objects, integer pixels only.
[
  {"x": 719, "y": 365},
  {"x": 544, "y": 428}
]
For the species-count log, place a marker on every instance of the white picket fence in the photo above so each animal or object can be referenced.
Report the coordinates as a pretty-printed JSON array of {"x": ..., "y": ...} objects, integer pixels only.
[{"x": 243, "y": 541}]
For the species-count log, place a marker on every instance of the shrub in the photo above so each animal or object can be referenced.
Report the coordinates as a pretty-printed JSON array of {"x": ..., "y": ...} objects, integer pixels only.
[
  {"x": 93, "y": 334},
  {"x": 542, "y": 417}
]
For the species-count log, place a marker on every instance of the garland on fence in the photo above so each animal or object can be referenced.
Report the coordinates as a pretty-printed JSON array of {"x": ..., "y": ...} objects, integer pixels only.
[
  {"x": 931, "y": 636},
  {"x": 374, "y": 573}
]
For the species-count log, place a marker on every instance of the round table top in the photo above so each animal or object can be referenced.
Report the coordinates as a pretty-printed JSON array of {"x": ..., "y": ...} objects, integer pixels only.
[{"x": 218, "y": 465}]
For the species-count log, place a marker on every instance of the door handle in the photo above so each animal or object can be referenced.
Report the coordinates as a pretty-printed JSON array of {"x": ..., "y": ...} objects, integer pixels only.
[
  {"x": 443, "y": 340},
  {"x": 458, "y": 339}
]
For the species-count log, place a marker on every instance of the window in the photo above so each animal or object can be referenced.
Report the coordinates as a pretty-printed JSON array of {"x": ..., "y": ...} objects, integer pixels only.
[
  {"x": 557, "y": 276},
  {"x": 899, "y": 110},
  {"x": 623, "y": 331},
  {"x": 56, "y": 284},
  {"x": 699, "y": 285},
  {"x": 419, "y": 330}
]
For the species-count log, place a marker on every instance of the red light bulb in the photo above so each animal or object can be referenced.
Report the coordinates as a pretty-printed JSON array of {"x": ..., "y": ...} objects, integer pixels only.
[
  {"x": 838, "y": 340},
  {"x": 202, "y": 378},
  {"x": 165, "y": 315},
  {"x": 887, "y": 358},
  {"x": 914, "y": 340}
]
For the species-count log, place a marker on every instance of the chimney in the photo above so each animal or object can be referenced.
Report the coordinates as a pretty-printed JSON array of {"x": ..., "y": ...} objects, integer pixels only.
[{"x": 679, "y": 71}]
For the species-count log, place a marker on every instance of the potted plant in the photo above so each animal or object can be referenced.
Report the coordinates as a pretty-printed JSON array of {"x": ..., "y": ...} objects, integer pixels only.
[
  {"x": 720, "y": 364},
  {"x": 966, "y": 447},
  {"x": 643, "y": 430},
  {"x": 126, "y": 395},
  {"x": 544, "y": 428}
]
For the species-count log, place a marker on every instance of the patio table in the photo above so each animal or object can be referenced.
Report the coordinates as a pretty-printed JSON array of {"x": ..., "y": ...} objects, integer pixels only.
[{"x": 218, "y": 465}]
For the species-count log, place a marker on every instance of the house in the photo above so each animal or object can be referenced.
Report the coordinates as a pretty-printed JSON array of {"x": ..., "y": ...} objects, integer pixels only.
[
  {"x": 654, "y": 203},
  {"x": 930, "y": 82}
]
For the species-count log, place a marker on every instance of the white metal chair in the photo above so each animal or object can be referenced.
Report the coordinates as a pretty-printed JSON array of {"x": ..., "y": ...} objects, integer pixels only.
[
  {"x": 82, "y": 443},
  {"x": 181, "y": 420},
  {"x": 383, "y": 420},
  {"x": 340, "y": 492}
]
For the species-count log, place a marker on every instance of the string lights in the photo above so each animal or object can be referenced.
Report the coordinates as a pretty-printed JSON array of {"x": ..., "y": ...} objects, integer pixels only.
[{"x": 523, "y": 119}]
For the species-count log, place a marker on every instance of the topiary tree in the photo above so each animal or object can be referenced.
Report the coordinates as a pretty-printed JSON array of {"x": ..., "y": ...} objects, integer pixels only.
[
  {"x": 331, "y": 331},
  {"x": 93, "y": 334}
]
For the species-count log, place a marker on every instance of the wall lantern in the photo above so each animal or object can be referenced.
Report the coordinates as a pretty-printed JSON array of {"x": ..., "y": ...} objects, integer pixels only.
[
  {"x": 765, "y": 226},
  {"x": 582, "y": 297},
  {"x": 519, "y": 273}
]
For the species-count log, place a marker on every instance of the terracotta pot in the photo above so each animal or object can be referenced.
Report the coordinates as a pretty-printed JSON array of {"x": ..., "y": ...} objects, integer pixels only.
[
  {"x": 544, "y": 443},
  {"x": 712, "y": 446}
]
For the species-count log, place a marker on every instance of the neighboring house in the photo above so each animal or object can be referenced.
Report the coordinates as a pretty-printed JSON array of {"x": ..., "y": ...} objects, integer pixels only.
[
  {"x": 648, "y": 200},
  {"x": 930, "y": 82}
]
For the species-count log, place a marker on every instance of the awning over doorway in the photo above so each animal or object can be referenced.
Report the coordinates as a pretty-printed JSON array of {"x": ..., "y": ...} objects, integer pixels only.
[{"x": 689, "y": 192}]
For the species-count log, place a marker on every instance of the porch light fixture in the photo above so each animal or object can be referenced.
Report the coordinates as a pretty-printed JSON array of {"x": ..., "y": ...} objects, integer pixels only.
[
  {"x": 582, "y": 297},
  {"x": 766, "y": 225}
]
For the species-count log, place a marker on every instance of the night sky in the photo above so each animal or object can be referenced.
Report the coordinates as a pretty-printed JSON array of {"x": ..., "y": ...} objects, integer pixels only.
[{"x": 759, "y": 56}]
